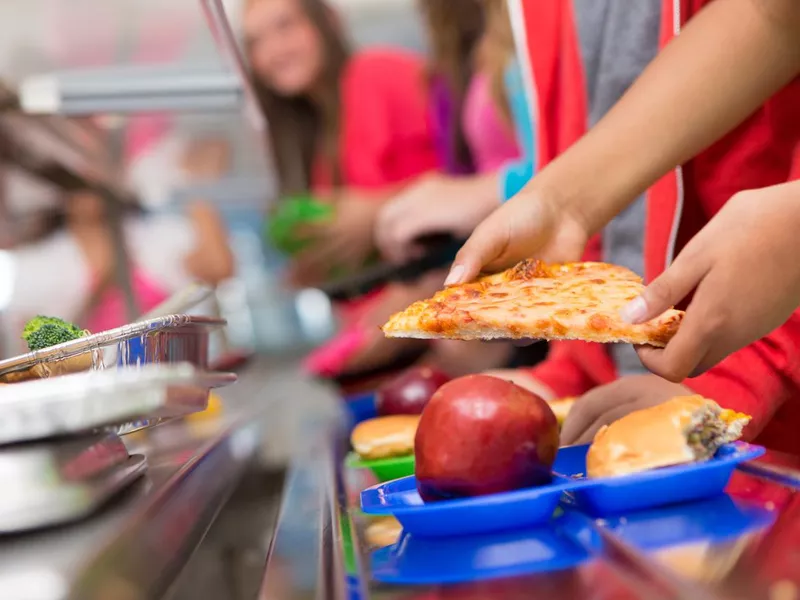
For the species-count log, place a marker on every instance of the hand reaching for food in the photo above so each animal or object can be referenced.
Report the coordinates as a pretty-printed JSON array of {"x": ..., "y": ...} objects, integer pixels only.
[
  {"x": 607, "y": 403},
  {"x": 435, "y": 205},
  {"x": 344, "y": 242}
]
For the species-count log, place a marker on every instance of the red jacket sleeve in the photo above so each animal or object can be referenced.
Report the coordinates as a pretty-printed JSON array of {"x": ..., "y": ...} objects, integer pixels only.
[
  {"x": 757, "y": 379},
  {"x": 386, "y": 134}
]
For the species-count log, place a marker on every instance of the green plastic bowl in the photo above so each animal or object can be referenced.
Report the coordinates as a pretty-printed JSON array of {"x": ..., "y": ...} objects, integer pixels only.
[
  {"x": 290, "y": 214},
  {"x": 385, "y": 469}
]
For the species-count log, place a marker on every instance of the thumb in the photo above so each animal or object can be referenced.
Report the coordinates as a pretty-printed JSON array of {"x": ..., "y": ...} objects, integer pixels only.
[
  {"x": 486, "y": 244},
  {"x": 666, "y": 290}
]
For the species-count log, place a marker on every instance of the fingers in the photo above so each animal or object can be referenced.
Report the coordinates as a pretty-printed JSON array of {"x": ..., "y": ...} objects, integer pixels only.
[
  {"x": 687, "y": 353},
  {"x": 616, "y": 413},
  {"x": 397, "y": 228},
  {"x": 668, "y": 289},
  {"x": 486, "y": 245},
  {"x": 586, "y": 411},
  {"x": 389, "y": 236}
]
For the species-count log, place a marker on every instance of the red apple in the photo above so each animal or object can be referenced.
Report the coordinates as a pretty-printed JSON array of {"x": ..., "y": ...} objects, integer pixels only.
[
  {"x": 482, "y": 435},
  {"x": 409, "y": 392}
]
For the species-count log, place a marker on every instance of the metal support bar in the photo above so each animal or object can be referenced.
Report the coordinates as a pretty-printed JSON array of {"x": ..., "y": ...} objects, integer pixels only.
[
  {"x": 131, "y": 89},
  {"x": 220, "y": 27}
]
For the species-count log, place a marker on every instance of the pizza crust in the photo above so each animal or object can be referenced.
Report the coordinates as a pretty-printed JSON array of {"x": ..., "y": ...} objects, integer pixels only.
[{"x": 533, "y": 300}]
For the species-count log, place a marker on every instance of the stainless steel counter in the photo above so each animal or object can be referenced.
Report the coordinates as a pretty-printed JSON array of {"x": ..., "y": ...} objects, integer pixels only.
[
  {"x": 320, "y": 549},
  {"x": 136, "y": 546}
]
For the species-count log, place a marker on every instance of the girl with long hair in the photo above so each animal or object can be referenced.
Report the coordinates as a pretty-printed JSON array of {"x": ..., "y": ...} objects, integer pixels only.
[{"x": 350, "y": 128}]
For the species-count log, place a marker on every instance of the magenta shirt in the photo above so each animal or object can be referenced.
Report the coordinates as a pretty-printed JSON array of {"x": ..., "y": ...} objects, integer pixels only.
[{"x": 491, "y": 140}]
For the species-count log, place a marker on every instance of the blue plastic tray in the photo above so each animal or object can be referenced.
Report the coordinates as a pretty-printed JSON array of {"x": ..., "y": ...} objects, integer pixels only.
[
  {"x": 496, "y": 512},
  {"x": 650, "y": 489},
  {"x": 361, "y": 407},
  {"x": 714, "y": 520},
  {"x": 420, "y": 560}
]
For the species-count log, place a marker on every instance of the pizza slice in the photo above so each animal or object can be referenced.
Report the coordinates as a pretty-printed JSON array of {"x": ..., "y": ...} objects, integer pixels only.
[{"x": 534, "y": 300}]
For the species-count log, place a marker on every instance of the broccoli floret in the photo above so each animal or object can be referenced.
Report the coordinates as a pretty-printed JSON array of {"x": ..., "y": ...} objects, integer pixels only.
[{"x": 43, "y": 332}]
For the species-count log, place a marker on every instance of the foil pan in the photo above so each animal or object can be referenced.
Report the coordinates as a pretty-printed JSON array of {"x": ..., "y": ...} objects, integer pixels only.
[
  {"x": 117, "y": 399},
  {"x": 168, "y": 339}
]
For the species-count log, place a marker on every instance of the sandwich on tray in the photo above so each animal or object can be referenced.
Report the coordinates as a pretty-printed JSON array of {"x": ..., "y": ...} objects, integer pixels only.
[
  {"x": 385, "y": 437},
  {"x": 683, "y": 430}
]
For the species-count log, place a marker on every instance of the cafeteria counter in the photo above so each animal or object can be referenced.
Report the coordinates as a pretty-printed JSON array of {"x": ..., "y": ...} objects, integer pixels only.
[
  {"x": 151, "y": 539},
  {"x": 255, "y": 504},
  {"x": 745, "y": 544}
]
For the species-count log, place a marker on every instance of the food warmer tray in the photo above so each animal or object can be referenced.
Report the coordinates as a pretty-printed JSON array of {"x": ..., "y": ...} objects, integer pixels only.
[
  {"x": 51, "y": 483},
  {"x": 129, "y": 398},
  {"x": 168, "y": 339}
]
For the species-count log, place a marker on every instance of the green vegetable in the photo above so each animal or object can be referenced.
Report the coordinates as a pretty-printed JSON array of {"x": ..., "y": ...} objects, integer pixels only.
[
  {"x": 43, "y": 332},
  {"x": 291, "y": 214}
]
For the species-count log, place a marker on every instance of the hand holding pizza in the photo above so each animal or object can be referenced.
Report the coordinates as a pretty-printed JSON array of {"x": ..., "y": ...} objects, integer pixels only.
[
  {"x": 745, "y": 273},
  {"x": 532, "y": 224}
]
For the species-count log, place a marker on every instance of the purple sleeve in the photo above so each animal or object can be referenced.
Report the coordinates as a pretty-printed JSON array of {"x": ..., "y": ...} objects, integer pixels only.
[{"x": 442, "y": 107}]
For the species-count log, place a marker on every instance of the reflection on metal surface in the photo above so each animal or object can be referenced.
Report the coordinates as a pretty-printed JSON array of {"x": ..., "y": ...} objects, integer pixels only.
[
  {"x": 166, "y": 531},
  {"x": 89, "y": 401},
  {"x": 51, "y": 483}
]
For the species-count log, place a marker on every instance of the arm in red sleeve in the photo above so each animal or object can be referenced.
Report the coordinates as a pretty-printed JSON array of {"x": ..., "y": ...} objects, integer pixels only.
[
  {"x": 386, "y": 134},
  {"x": 757, "y": 379},
  {"x": 562, "y": 371}
]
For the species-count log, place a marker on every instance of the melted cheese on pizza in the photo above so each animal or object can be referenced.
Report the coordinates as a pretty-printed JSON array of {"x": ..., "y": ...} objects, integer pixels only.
[{"x": 574, "y": 301}]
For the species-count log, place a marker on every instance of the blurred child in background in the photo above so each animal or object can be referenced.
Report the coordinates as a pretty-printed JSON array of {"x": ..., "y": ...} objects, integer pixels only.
[
  {"x": 351, "y": 129},
  {"x": 488, "y": 137},
  {"x": 69, "y": 270},
  {"x": 498, "y": 130}
]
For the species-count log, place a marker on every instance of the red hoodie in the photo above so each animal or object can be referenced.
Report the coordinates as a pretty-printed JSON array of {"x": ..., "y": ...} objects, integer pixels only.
[{"x": 762, "y": 379}]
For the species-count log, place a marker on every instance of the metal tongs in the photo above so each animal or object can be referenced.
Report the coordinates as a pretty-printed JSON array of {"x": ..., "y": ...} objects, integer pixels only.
[{"x": 439, "y": 252}]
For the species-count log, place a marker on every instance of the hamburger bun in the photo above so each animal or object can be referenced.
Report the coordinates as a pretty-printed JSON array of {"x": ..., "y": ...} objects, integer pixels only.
[
  {"x": 385, "y": 437},
  {"x": 682, "y": 430},
  {"x": 383, "y": 531}
]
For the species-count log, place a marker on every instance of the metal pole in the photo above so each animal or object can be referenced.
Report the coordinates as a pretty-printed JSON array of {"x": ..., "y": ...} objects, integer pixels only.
[
  {"x": 220, "y": 27},
  {"x": 116, "y": 215}
]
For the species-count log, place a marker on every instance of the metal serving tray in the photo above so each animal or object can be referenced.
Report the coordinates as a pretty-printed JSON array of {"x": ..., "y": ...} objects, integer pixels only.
[
  {"x": 89, "y": 401},
  {"x": 55, "y": 482},
  {"x": 168, "y": 339}
]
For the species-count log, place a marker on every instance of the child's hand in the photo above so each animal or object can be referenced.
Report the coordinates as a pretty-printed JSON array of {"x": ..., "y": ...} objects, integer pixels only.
[
  {"x": 607, "y": 403},
  {"x": 435, "y": 204},
  {"x": 533, "y": 224},
  {"x": 345, "y": 242},
  {"x": 745, "y": 271}
]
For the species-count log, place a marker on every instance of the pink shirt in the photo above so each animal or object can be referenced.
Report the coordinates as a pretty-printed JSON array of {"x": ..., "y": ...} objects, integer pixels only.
[
  {"x": 386, "y": 134},
  {"x": 490, "y": 138},
  {"x": 110, "y": 311}
]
